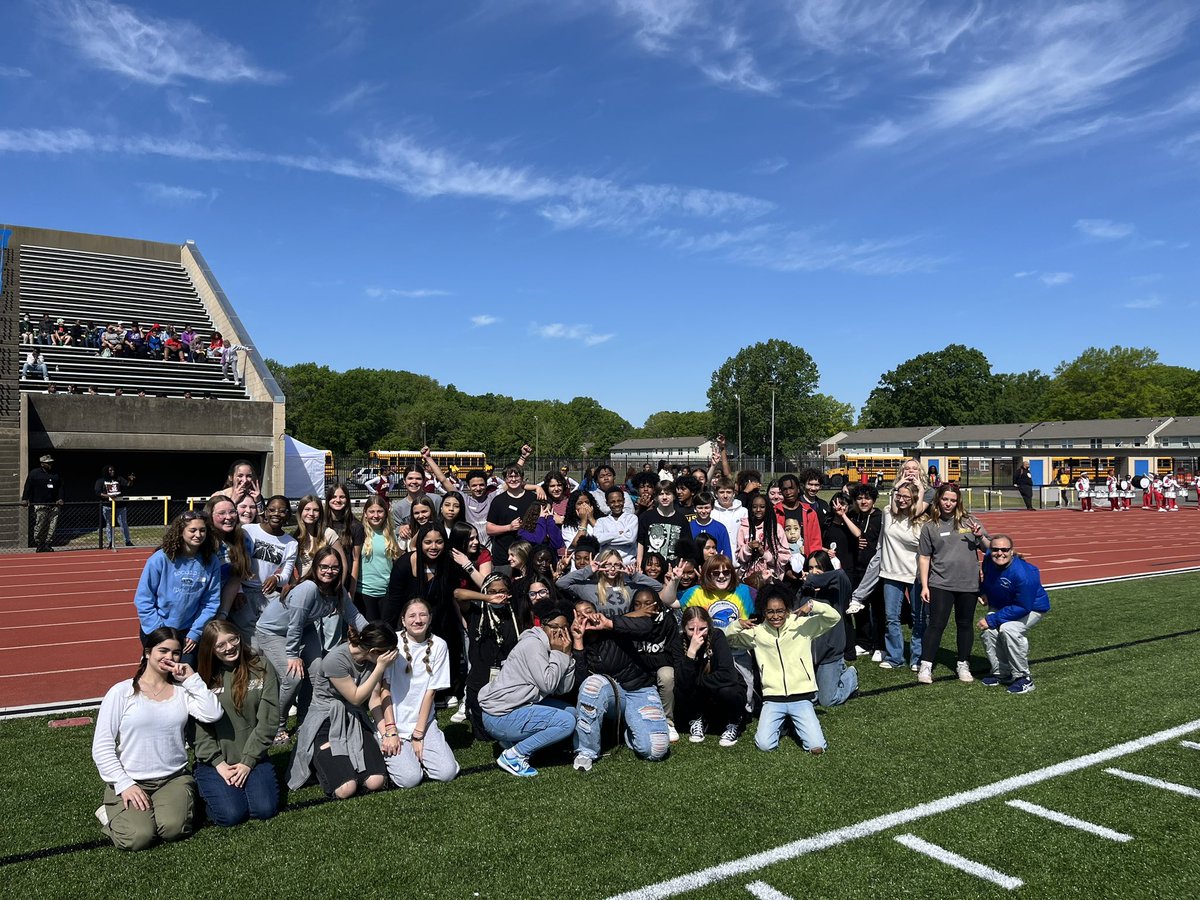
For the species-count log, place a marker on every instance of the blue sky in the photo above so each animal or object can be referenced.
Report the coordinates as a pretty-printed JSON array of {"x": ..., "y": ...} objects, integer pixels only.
[{"x": 551, "y": 198}]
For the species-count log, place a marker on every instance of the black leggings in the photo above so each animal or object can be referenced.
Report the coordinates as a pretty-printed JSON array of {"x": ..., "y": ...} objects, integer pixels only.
[
  {"x": 941, "y": 602},
  {"x": 724, "y": 706}
]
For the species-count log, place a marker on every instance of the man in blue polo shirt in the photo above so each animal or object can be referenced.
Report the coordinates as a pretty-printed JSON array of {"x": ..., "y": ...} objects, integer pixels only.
[{"x": 1016, "y": 600}]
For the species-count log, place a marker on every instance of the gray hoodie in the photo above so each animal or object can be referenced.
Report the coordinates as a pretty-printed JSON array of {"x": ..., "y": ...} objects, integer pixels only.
[{"x": 531, "y": 673}]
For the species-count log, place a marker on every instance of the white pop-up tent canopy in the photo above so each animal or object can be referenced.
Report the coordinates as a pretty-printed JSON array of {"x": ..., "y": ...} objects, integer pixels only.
[{"x": 303, "y": 469}]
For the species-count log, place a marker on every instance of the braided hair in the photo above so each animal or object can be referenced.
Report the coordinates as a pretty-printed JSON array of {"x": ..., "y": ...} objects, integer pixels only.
[{"x": 404, "y": 638}]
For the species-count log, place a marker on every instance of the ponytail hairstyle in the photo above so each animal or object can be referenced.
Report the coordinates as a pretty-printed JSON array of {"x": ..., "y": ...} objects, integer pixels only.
[
  {"x": 690, "y": 614},
  {"x": 211, "y": 669},
  {"x": 153, "y": 639},
  {"x": 428, "y": 637}
]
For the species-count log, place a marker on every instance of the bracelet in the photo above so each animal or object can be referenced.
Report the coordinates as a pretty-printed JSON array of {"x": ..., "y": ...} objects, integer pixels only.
[{"x": 418, "y": 737}]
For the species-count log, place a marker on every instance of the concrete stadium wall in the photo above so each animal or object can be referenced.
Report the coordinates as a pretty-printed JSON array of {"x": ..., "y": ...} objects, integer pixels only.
[{"x": 94, "y": 243}]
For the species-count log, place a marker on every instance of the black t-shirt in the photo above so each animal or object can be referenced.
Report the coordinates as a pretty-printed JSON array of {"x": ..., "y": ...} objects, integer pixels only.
[
  {"x": 115, "y": 487},
  {"x": 661, "y": 533},
  {"x": 505, "y": 510}
]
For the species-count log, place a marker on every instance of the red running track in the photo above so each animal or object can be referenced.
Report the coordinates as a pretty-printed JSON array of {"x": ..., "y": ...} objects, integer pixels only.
[{"x": 68, "y": 630}]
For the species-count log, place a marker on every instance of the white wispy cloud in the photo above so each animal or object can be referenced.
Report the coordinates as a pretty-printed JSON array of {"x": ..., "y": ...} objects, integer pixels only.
[
  {"x": 157, "y": 51},
  {"x": 708, "y": 39},
  {"x": 1104, "y": 229},
  {"x": 771, "y": 165},
  {"x": 586, "y": 334},
  {"x": 483, "y": 321},
  {"x": 14, "y": 72},
  {"x": 376, "y": 293},
  {"x": 1041, "y": 67},
  {"x": 895, "y": 27},
  {"x": 199, "y": 98},
  {"x": 175, "y": 194},
  {"x": 353, "y": 97},
  {"x": 1150, "y": 302},
  {"x": 1050, "y": 279}
]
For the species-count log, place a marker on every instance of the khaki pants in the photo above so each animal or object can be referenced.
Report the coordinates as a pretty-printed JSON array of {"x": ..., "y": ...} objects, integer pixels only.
[
  {"x": 169, "y": 817},
  {"x": 45, "y": 523}
]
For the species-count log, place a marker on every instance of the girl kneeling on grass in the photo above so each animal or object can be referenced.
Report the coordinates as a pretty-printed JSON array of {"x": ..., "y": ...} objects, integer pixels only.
[
  {"x": 337, "y": 738},
  {"x": 707, "y": 683},
  {"x": 413, "y": 745},
  {"x": 520, "y": 708},
  {"x": 139, "y": 747},
  {"x": 233, "y": 773},
  {"x": 782, "y": 647}
]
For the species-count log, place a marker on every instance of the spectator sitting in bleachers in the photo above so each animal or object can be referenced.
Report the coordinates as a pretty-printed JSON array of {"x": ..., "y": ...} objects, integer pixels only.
[
  {"x": 35, "y": 362},
  {"x": 187, "y": 337},
  {"x": 26, "y": 329},
  {"x": 92, "y": 334},
  {"x": 111, "y": 341},
  {"x": 154, "y": 342},
  {"x": 45, "y": 326},
  {"x": 172, "y": 346},
  {"x": 78, "y": 334},
  {"x": 52, "y": 388},
  {"x": 134, "y": 344},
  {"x": 60, "y": 336},
  {"x": 216, "y": 346}
]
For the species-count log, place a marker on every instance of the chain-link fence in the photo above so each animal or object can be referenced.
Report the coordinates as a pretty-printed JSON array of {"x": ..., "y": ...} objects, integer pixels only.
[{"x": 132, "y": 522}]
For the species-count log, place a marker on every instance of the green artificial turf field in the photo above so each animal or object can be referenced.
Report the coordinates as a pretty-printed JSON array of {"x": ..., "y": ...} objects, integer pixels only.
[{"x": 1112, "y": 664}]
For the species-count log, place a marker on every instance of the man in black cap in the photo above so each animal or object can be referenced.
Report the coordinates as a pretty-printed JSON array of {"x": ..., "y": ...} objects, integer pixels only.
[{"x": 44, "y": 490}]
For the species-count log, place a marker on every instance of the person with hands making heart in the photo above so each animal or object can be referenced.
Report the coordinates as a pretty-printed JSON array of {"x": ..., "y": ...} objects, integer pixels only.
[
  {"x": 240, "y": 483},
  {"x": 337, "y": 739},
  {"x": 139, "y": 746},
  {"x": 413, "y": 745}
]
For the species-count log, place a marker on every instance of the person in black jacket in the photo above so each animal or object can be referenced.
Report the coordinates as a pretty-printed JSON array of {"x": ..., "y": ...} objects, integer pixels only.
[
  {"x": 496, "y": 619},
  {"x": 43, "y": 488},
  {"x": 836, "y": 681},
  {"x": 865, "y": 523},
  {"x": 707, "y": 683},
  {"x": 616, "y": 681},
  {"x": 1024, "y": 482},
  {"x": 655, "y": 651}
]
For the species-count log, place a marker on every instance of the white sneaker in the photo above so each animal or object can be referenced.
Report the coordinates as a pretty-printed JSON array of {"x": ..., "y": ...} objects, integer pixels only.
[
  {"x": 964, "y": 672},
  {"x": 460, "y": 714},
  {"x": 854, "y": 607},
  {"x": 696, "y": 731},
  {"x": 886, "y": 665},
  {"x": 916, "y": 667},
  {"x": 729, "y": 736},
  {"x": 860, "y": 651},
  {"x": 877, "y": 656},
  {"x": 925, "y": 673},
  {"x": 672, "y": 734},
  {"x": 583, "y": 763}
]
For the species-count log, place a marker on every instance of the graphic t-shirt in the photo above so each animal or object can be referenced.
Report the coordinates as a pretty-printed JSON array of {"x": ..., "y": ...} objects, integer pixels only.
[
  {"x": 725, "y": 607},
  {"x": 661, "y": 533},
  {"x": 272, "y": 555}
]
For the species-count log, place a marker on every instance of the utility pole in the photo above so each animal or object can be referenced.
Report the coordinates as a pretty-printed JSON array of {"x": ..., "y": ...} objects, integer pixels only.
[
  {"x": 772, "y": 428},
  {"x": 741, "y": 453}
]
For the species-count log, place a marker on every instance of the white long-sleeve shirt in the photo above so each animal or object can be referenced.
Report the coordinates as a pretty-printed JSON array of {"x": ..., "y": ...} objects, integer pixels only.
[
  {"x": 618, "y": 534},
  {"x": 139, "y": 739},
  {"x": 731, "y": 518}
]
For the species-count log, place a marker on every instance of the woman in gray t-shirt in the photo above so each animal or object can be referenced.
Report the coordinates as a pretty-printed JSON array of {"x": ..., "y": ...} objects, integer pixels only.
[{"x": 948, "y": 567}]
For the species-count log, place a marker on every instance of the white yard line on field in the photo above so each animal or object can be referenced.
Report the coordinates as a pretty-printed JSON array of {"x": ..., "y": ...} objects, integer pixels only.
[{"x": 838, "y": 836}]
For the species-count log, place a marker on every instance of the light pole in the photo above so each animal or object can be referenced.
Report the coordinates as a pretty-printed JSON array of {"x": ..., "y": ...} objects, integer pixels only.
[
  {"x": 772, "y": 428},
  {"x": 741, "y": 460},
  {"x": 537, "y": 465},
  {"x": 424, "y": 442}
]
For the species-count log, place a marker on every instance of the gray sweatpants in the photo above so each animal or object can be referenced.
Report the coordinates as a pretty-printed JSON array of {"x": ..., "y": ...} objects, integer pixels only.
[
  {"x": 437, "y": 761},
  {"x": 274, "y": 649},
  {"x": 1007, "y": 647}
]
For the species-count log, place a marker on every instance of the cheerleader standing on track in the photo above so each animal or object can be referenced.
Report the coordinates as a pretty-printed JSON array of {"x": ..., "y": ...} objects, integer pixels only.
[{"x": 1083, "y": 486}]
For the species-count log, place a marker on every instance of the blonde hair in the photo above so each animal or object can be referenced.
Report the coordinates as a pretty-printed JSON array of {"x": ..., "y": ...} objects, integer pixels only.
[
  {"x": 602, "y": 588},
  {"x": 392, "y": 546},
  {"x": 910, "y": 514},
  {"x": 922, "y": 475}
]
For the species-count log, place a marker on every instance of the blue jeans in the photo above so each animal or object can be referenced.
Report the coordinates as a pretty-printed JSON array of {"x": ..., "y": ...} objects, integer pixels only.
[
  {"x": 228, "y": 805},
  {"x": 803, "y": 718},
  {"x": 530, "y": 728},
  {"x": 893, "y": 640},
  {"x": 835, "y": 682},
  {"x": 642, "y": 710},
  {"x": 122, "y": 521}
]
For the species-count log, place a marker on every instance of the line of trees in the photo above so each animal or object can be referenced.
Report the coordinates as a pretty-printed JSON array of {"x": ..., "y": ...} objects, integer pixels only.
[{"x": 361, "y": 409}]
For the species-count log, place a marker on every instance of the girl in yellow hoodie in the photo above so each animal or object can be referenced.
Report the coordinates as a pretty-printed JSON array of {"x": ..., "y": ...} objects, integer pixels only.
[{"x": 782, "y": 647}]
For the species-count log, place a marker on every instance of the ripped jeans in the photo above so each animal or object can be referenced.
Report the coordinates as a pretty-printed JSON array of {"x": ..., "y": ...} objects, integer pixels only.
[{"x": 641, "y": 709}]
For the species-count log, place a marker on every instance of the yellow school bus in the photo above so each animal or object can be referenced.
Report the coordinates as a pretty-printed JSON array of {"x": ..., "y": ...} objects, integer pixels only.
[
  {"x": 453, "y": 462},
  {"x": 330, "y": 472},
  {"x": 854, "y": 467}
]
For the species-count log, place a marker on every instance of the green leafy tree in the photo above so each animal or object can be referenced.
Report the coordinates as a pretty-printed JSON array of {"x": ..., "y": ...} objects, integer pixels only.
[
  {"x": 951, "y": 386},
  {"x": 1121, "y": 382},
  {"x": 832, "y": 415},
  {"x": 751, "y": 374},
  {"x": 666, "y": 424},
  {"x": 1018, "y": 397}
]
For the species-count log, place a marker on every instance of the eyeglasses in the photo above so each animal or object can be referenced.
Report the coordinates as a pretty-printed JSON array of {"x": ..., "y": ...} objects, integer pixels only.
[
  {"x": 231, "y": 643},
  {"x": 323, "y": 568},
  {"x": 538, "y": 595},
  {"x": 776, "y": 612}
]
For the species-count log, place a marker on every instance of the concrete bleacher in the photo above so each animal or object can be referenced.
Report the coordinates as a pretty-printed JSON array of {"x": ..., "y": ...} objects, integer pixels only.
[{"x": 105, "y": 288}]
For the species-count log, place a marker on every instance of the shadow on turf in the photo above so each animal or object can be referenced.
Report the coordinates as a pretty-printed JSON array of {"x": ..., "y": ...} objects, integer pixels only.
[{"x": 281, "y": 764}]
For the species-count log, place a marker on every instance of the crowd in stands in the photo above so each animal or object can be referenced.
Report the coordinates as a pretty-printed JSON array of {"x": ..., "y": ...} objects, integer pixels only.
[
  {"x": 166, "y": 342},
  {"x": 537, "y": 612}
]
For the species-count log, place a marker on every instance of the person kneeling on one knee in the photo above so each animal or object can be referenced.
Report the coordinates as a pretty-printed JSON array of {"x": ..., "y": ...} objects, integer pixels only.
[
  {"x": 1012, "y": 589},
  {"x": 782, "y": 648}
]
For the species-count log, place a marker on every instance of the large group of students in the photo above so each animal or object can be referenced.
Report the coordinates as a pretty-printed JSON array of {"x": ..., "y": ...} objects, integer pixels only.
[{"x": 693, "y": 602}]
